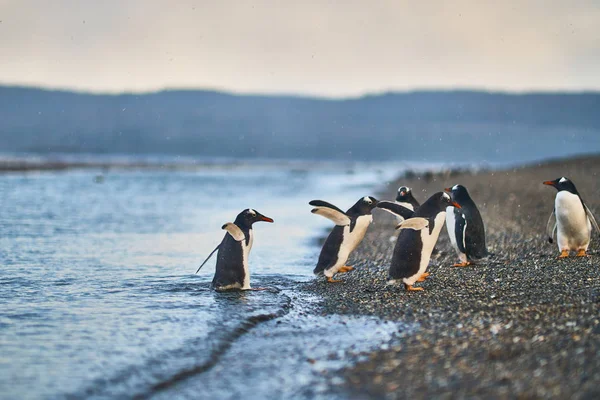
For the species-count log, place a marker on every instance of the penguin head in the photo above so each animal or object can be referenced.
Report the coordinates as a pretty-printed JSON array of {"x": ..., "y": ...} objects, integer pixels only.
[
  {"x": 249, "y": 216},
  {"x": 458, "y": 193},
  {"x": 562, "y": 184},
  {"x": 365, "y": 205},
  {"x": 404, "y": 194},
  {"x": 445, "y": 200}
]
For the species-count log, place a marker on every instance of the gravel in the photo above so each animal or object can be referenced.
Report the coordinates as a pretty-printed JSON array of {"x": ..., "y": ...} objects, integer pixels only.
[{"x": 519, "y": 324}]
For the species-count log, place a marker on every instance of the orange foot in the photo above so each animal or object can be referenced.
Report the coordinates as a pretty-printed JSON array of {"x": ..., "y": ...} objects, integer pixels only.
[
  {"x": 581, "y": 253},
  {"x": 422, "y": 277},
  {"x": 564, "y": 254},
  {"x": 410, "y": 288},
  {"x": 462, "y": 264},
  {"x": 331, "y": 280},
  {"x": 345, "y": 269}
]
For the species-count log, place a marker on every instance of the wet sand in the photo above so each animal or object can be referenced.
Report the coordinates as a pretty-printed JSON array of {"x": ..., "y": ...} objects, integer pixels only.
[{"x": 521, "y": 324}]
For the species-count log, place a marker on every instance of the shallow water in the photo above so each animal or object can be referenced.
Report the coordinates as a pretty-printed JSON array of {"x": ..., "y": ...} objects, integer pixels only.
[{"x": 97, "y": 284}]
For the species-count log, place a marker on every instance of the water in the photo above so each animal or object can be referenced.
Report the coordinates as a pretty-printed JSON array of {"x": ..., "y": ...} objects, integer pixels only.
[{"x": 97, "y": 287}]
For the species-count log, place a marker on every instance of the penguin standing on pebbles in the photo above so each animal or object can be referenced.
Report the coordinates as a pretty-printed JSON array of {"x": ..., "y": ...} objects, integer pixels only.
[
  {"x": 465, "y": 227},
  {"x": 574, "y": 219},
  {"x": 405, "y": 199},
  {"x": 417, "y": 238},
  {"x": 349, "y": 231},
  {"x": 232, "y": 259}
]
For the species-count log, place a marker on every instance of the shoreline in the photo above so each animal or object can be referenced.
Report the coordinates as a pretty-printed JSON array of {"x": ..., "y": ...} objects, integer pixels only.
[{"x": 521, "y": 323}]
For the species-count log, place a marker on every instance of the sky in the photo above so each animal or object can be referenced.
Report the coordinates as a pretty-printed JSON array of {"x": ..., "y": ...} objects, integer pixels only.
[{"x": 324, "y": 48}]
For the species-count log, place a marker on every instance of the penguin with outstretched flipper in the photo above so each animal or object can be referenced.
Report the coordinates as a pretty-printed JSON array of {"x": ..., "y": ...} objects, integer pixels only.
[{"x": 349, "y": 230}]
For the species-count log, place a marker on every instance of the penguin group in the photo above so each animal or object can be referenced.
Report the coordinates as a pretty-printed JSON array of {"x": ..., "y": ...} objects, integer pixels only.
[{"x": 419, "y": 228}]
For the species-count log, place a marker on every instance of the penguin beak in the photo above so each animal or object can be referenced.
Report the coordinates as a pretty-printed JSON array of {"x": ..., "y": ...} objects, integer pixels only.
[
  {"x": 265, "y": 219},
  {"x": 449, "y": 190},
  {"x": 549, "y": 183},
  {"x": 455, "y": 204}
]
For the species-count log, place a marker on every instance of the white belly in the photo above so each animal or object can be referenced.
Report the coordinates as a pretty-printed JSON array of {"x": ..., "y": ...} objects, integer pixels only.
[
  {"x": 350, "y": 242},
  {"x": 451, "y": 228},
  {"x": 573, "y": 226},
  {"x": 246, "y": 253},
  {"x": 429, "y": 241}
]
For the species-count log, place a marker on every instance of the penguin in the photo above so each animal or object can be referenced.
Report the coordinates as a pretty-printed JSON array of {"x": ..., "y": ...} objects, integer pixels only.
[
  {"x": 574, "y": 219},
  {"x": 232, "y": 259},
  {"x": 406, "y": 199},
  {"x": 417, "y": 239},
  {"x": 349, "y": 230},
  {"x": 465, "y": 227}
]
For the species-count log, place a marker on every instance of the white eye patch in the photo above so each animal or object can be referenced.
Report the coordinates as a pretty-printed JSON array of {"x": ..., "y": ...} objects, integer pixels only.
[
  {"x": 367, "y": 200},
  {"x": 563, "y": 180},
  {"x": 252, "y": 212},
  {"x": 446, "y": 196},
  {"x": 454, "y": 187}
]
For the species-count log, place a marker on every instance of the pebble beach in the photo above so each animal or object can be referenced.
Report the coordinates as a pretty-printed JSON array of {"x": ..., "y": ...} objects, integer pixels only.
[{"x": 520, "y": 324}]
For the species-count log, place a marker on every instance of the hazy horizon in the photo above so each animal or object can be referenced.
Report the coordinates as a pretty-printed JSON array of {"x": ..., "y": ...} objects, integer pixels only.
[
  {"x": 321, "y": 49},
  {"x": 234, "y": 92}
]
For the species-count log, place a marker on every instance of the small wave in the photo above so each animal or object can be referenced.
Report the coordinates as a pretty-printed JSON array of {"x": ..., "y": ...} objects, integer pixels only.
[{"x": 197, "y": 355}]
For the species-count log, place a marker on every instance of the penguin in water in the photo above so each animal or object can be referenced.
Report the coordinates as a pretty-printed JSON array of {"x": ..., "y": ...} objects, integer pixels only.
[
  {"x": 417, "y": 239},
  {"x": 349, "y": 230},
  {"x": 574, "y": 219},
  {"x": 465, "y": 227},
  {"x": 232, "y": 259}
]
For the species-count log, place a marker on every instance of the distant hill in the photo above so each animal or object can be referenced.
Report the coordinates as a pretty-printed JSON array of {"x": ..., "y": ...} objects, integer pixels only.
[{"x": 423, "y": 125}]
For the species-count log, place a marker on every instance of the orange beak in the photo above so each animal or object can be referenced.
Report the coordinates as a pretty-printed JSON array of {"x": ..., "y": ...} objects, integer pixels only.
[
  {"x": 449, "y": 190},
  {"x": 549, "y": 183},
  {"x": 266, "y": 219},
  {"x": 455, "y": 204}
]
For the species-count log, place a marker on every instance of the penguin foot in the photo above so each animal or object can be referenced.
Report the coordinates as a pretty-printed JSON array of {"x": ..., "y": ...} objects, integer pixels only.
[
  {"x": 462, "y": 264},
  {"x": 331, "y": 280},
  {"x": 345, "y": 268},
  {"x": 411, "y": 288},
  {"x": 422, "y": 278},
  {"x": 564, "y": 254},
  {"x": 581, "y": 253}
]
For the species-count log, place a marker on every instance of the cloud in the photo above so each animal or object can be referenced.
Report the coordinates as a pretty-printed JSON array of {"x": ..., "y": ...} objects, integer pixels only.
[{"x": 320, "y": 47}]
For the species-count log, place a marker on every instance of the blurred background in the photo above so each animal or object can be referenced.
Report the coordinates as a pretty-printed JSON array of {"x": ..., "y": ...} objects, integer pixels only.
[
  {"x": 130, "y": 131},
  {"x": 391, "y": 80}
]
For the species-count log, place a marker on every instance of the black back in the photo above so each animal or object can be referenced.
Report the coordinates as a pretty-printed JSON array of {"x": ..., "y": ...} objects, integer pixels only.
[
  {"x": 408, "y": 250},
  {"x": 230, "y": 266},
  {"x": 230, "y": 257},
  {"x": 475, "y": 246},
  {"x": 329, "y": 252}
]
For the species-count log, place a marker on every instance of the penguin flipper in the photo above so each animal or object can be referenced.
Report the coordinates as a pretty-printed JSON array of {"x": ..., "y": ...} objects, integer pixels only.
[
  {"x": 330, "y": 211},
  {"x": 208, "y": 258},
  {"x": 395, "y": 209},
  {"x": 234, "y": 231},
  {"x": 415, "y": 223},
  {"x": 592, "y": 219},
  {"x": 551, "y": 228}
]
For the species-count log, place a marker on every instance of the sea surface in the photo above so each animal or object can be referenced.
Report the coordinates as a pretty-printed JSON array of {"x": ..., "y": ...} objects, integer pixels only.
[{"x": 98, "y": 296}]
